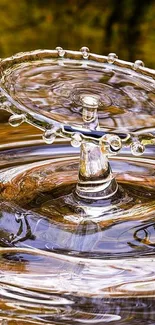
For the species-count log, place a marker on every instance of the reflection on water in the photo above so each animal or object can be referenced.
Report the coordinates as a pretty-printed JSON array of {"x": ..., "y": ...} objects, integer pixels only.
[
  {"x": 65, "y": 272},
  {"x": 56, "y": 266},
  {"x": 56, "y": 89},
  {"x": 69, "y": 259}
]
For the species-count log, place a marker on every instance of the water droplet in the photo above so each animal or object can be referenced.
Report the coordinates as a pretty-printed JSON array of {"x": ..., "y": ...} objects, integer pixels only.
[
  {"x": 112, "y": 57},
  {"x": 111, "y": 142},
  {"x": 60, "y": 50},
  {"x": 49, "y": 136},
  {"x": 137, "y": 64},
  {"x": 76, "y": 140},
  {"x": 90, "y": 104},
  {"x": 85, "y": 52},
  {"x": 90, "y": 101},
  {"x": 115, "y": 142},
  {"x": 16, "y": 119},
  {"x": 88, "y": 115},
  {"x": 137, "y": 148}
]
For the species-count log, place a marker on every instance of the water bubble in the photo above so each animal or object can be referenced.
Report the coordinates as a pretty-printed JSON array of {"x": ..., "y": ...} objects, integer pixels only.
[
  {"x": 112, "y": 57},
  {"x": 49, "y": 136},
  {"x": 85, "y": 52},
  {"x": 16, "y": 119},
  {"x": 137, "y": 148},
  {"x": 138, "y": 64},
  {"x": 76, "y": 140},
  {"x": 60, "y": 50},
  {"x": 115, "y": 142}
]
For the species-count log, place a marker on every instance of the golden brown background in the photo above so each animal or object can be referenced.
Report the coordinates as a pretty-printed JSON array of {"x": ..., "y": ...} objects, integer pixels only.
[{"x": 122, "y": 26}]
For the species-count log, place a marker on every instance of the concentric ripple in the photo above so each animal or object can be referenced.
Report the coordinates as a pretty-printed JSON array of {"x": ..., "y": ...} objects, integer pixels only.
[
  {"x": 66, "y": 260},
  {"x": 54, "y": 88},
  {"x": 65, "y": 271}
]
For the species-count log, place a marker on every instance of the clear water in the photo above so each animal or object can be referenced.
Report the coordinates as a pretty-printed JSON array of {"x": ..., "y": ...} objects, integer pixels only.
[
  {"x": 65, "y": 260},
  {"x": 55, "y": 88},
  {"x": 56, "y": 271}
]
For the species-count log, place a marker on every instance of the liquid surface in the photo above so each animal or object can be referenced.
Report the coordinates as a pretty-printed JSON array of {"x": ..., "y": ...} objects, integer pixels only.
[
  {"x": 64, "y": 271},
  {"x": 56, "y": 88},
  {"x": 65, "y": 259}
]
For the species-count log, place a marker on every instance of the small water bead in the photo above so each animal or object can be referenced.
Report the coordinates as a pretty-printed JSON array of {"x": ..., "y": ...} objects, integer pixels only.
[
  {"x": 76, "y": 140},
  {"x": 112, "y": 57},
  {"x": 138, "y": 64},
  {"x": 115, "y": 142},
  {"x": 85, "y": 52},
  {"x": 16, "y": 119},
  {"x": 137, "y": 148},
  {"x": 49, "y": 136},
  {"x": 111, "y": 142},
  {"x": 61, "y": 51}
]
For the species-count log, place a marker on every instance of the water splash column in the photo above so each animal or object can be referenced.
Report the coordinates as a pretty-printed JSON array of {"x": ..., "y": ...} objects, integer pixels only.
[{"x": 95, "y": 180}]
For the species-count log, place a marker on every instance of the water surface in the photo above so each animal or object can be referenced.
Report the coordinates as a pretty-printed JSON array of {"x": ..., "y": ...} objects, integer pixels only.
[{"x": 58, "y": 272}]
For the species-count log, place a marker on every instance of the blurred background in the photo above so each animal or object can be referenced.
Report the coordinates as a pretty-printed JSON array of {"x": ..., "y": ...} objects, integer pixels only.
[{"x": 126, "y": 27}]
